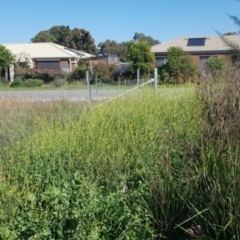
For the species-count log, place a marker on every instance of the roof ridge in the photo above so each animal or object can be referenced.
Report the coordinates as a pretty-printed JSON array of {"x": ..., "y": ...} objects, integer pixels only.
[
  {"x": 58, "y": 46},
  {"x": 167, "y": 41}
]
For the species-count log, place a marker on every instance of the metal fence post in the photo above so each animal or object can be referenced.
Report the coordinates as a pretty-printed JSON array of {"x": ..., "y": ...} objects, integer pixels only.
[
  {"x": 96, "y": 84},
  {"x": 138, "y": 78},
  {"x": 155, "y": 78},
  {"x": 89, "y": 89}
]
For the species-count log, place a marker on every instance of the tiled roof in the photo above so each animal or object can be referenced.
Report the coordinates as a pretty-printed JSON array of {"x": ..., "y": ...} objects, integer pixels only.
[
  {"x": 212, "y": 44},
  {"x": 44, "y": 50}
]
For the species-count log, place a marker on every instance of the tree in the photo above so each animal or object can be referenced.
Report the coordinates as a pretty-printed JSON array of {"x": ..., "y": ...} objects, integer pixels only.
[
  {"x": 112, "y": 47},
  {"x": 229, "y": 33},
  {"x": 179, "y": 67},
  {"x": 44, "y": 36},
  {"x": 62, "y": 34},
  {"x": 78, "y": 39},
  {"x": 56, "y": 34},
  {"x": 139, "y": 53},
  {"x": 6, "y": 58},
  {"x": 81, "y": 39},
  {"x": 141, "y": 37},
  {"x": 108, "y": 47}
]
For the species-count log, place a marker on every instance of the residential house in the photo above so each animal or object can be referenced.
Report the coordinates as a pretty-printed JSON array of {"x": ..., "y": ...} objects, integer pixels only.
[
  {"x": 200, "y": 48},
  {"x": 47, "y": 56}
]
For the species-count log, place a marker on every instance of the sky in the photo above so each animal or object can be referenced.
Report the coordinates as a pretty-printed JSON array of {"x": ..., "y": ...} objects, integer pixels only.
[{"x": 119, "y": 20}]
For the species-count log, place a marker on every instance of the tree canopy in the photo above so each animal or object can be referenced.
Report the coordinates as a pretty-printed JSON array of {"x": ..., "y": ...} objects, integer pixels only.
[
  {"x": 112, "y": 47},
  {"x": 139, "y": 53},
  {"x": 142, "y": 37},
  {"x": 79, "y": 39},
  {"x": 229, "y": 33},
  {"x": 108, "y": 47},
  {"x": 6, "y": 58}
]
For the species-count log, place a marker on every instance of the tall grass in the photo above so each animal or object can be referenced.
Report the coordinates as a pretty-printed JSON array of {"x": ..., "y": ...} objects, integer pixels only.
[
  {"x": 70, "y": 164},
  {"x": 135, "y": 168},
  {"x": 220, "y": 154}
]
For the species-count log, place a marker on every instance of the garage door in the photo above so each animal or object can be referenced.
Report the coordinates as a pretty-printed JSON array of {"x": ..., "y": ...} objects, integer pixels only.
[{"x": 48, "y": 65}]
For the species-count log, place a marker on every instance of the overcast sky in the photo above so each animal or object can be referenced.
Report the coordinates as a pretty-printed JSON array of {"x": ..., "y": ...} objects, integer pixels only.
[{"x": 118, "y": 20}]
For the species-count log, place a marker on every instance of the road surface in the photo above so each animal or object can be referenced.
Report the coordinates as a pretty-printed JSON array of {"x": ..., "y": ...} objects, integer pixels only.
[{"x": 53, "y": 95}]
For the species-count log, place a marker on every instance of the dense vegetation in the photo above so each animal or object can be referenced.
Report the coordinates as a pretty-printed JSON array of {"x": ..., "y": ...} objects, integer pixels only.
[
  {"x": 141, "y": 57},
  {"x": 76, "y": 38},
  {"x": 6, "y": 58},
  {"x": 155, "y": 165},
  {"x": 179, "y": 67}
]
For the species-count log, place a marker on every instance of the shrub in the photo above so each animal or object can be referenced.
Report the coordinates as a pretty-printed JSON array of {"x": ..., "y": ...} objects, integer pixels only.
[
  {"x": 27, "y": 83},
  {"x": 17, "y": 83},
  {"x": 6, "y": 58},
  {"x": 45, "y": 75},
  {"x": 179, "y": 67},
  {"x": 164, "y": 75},
  {"x": 33, "y": 83},
  {"x": 215, "y": 67},
  {"x": 104, "y": 72},
  {"x": 79, "y": 73}
]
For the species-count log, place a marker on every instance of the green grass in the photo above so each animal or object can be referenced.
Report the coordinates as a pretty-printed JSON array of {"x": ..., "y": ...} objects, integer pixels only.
[
  {"x": 70, "y": 86},
  {"x": 65, "y": 170}
]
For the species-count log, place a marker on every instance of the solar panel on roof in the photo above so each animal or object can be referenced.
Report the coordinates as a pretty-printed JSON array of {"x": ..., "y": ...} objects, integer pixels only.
[{"x": 196, "y": 42}]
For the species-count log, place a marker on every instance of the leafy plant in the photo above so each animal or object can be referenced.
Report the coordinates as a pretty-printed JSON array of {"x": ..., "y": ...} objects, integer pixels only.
[
  {"x": 17, "y": 83},
  {"x": 179, "y": 67},
  {"x": 139, "y": 53},
  {"x": 6, "y": 58},
  {"x": 27, "y": 83},
  {"x": 79, "y": 73},
  {"x": 45, "y": 75},
  {"x": 105, "y": 72},
  {"x": 33, "y": 83},
  {"x": 215, "y": 67}
]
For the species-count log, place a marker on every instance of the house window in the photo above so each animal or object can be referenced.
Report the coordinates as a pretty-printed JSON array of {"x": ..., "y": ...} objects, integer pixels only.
[
  {"x": 161, "y": 61},
  {"x": 196, "y": 42},
  {"x": 48, "y": 65}
]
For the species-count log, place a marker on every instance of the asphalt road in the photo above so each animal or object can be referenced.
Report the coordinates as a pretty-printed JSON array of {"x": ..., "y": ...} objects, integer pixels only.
[{"x": 71, "y": 95}]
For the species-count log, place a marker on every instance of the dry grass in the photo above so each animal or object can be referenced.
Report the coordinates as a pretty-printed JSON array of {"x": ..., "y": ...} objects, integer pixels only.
[{"x": 17, "y": 115}]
